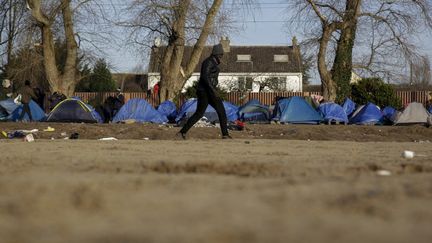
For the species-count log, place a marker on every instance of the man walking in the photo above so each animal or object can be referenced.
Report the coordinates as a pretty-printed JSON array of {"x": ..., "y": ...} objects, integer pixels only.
[
  {"x": 27, "y": 94},
  {"x": 207, "y": 94}
]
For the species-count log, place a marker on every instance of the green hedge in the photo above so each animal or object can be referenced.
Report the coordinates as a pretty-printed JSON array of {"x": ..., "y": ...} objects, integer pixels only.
[{"x": 376, "y": 91}]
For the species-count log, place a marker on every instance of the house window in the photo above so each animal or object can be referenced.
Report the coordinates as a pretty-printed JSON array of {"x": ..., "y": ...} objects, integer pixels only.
[
  {"x": 275, "y": 84},
  {"x": 245, "y": 83},
  {"x": 280, "y": 58},
  {"x": 244, "y": 58}
]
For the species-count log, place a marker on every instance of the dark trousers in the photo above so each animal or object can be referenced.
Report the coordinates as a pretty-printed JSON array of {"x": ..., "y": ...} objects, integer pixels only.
[
  {"x": 26, "y": 109},
  {"x": 204, "y": 99}
]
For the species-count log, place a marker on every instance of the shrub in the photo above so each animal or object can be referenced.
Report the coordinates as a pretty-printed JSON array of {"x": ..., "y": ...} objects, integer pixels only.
[
  {"x": 191, "y": 92},
  {"x": 376, "y": 91}
]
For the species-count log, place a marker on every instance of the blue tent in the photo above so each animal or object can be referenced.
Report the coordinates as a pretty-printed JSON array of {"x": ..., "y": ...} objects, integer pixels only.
[
  {"x": 190, "y": 106},
  {"x": 9, "y": 105},
  {"x": 168, "y": 109},
  {"x": 73, "y": 110},
  {"x": 388, "y": 112},
  {"x": 349, "y": 106},
  {"x": 430, "y": 109},
  {"x": 231, "y": 111},
  {"x": 95, "y": 114},
  {"x": 93, "y": 111},
  {"x": 3, "y": 114},
  {"x": 368, "y": 114},
  {"x": 6, "y": 108},
  {"x": 12, "y": 111},
  {"x": 296, "y": 110},
  {"x": 140, "y": 111},
  {"x": 333, "y": 112},
  {"x": 37, "y": 113},
  {"x": 253, "y": 111}
]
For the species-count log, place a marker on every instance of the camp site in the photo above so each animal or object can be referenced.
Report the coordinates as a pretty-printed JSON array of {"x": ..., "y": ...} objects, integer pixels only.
[
  {"x": 237, "y": 121},
  {"x": 321, "y": 165}
]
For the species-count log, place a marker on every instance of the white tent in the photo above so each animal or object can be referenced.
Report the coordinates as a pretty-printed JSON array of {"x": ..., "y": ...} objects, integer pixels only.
[{"x": 414, "y": 113}]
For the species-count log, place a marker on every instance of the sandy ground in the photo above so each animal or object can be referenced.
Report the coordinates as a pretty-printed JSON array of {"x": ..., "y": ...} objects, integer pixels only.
[
  {"x": 212, "y": 190},
  {"x": 266, "y": 131}
]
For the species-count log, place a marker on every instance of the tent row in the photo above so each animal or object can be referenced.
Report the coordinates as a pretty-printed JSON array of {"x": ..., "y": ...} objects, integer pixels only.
[
  {"x": 68, "y": 110},
  {"x": 297, "y": 110},
  {"x": 292, "y": 110}
]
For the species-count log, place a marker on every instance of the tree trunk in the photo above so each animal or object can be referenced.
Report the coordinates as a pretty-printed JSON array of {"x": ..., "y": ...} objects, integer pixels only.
[
  {"x": 342, "y": 65},
  {"x": 69, "y": 79},
  {"x": 11, "y": 33},
  {"x": 199, "y": 45},
  {"x": 173, "y": 76},
  {"x": 49, "y": 60},
  {"x": 170, "y": 70},
  {"x": 328, "y": 85},
  {"x": 59, "y": 82}
]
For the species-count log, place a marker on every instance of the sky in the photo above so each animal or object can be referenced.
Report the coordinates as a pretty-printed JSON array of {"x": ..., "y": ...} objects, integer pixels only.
[{"x": 266, "y": 25}]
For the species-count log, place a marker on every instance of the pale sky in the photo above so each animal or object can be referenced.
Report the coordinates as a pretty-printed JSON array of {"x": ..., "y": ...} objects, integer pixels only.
[{"x": 265, "y": 27}]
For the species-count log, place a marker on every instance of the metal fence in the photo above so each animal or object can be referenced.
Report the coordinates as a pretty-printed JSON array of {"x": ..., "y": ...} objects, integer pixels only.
[{"x": 240, "y": 98}]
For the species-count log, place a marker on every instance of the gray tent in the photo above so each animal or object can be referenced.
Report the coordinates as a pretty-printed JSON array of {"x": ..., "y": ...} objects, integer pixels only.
[{"x": 414, "y": 113}]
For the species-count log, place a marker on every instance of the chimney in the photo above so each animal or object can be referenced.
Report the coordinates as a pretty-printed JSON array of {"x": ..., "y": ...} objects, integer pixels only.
[
  {"x": 225, "y": 44},
  {"x": 295, "y": 46},
  {"x": 294, "y": 41}
]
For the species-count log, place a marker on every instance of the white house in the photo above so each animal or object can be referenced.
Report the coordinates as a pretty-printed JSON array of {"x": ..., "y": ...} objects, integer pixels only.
[{"x": 245, "y": 68}]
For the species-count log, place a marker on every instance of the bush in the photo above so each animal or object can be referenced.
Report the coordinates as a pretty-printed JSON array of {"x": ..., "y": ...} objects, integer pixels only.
[
  {"x": 376, "y": 91},
  {"x": 191, "y": 92}
]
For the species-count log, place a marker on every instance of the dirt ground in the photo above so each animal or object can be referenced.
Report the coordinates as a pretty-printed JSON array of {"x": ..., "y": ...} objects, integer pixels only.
[
  {"x": 293, "y": 184},
  {"x": 252, "y": 131}
]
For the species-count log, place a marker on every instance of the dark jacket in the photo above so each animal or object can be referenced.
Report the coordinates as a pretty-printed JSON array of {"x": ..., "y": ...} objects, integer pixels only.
[
  {"x": 209, "y": 75},
  {"x": 5, "y": 91},
  {"x": 27, "y": 94}
]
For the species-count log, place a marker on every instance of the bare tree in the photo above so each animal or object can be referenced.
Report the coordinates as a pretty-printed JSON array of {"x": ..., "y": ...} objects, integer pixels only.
[
  {"x": 57, "y": 20},
  {"x": 45, "y": 16},
  {"x": 12, "y": 18},
  {"x": 176, "y": 24},
  {"x": 375, "y": 33},
  {"x": 420, "y": 73}
]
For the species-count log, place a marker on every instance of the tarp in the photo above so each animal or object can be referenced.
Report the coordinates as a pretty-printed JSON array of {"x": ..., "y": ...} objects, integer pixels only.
[
  {"x": 139, "y": 110},
  {"x": 333, "y": 112},
  {"x": 168, "y": 109},
  {"x": 190, "y": 106},
  {"x": 73, "y": 110},
  {"x": 369, "y": 114},
  {"x": 37, "y": 113},
  {"x": 296, "y": 110},
  {"x": 253, "y": 111},
  {"x": 414, "y": 113},
  {"x": 348, "y": 106}
]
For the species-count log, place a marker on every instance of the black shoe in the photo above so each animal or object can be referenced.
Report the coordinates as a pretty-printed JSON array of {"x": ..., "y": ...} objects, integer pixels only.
[
  {"x": 74, "y": 135},
  {"x": 180, "y": 136},
  {"x": 226, "y": 137}
]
